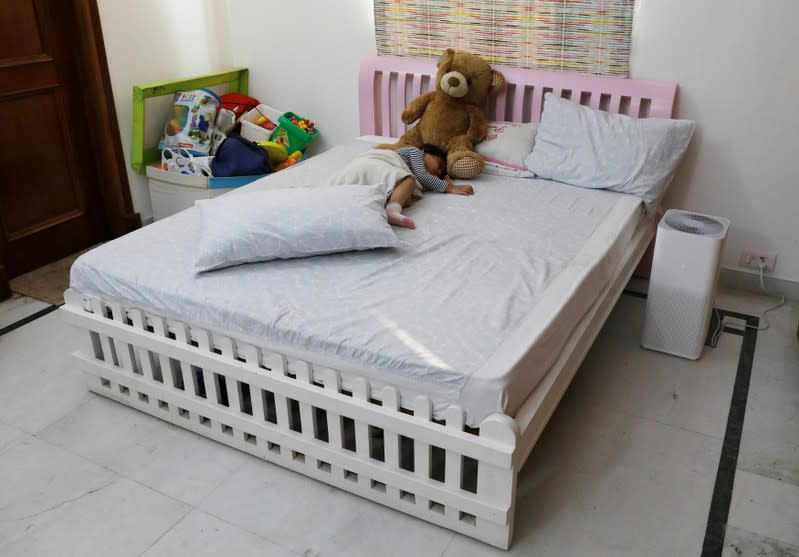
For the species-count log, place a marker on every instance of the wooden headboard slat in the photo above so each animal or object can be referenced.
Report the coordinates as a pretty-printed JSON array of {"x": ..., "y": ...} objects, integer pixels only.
[
  {"x": 635, "y": 107},
  {"x": 499, "y": 112},
  {"x": 379, "y": 116},
  {"x": 385, "y": 104},
  {"x": 402, "y": 82}
]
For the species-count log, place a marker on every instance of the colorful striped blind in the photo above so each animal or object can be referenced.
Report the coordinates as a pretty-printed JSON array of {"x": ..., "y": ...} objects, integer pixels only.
[{"x": 587, "y": 36}]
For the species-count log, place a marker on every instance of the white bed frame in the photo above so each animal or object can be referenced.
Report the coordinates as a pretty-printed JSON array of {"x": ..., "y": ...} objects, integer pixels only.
[{"x": 280, "y": 405}]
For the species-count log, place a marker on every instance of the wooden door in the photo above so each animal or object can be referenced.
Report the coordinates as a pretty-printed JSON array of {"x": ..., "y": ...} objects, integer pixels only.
[{"x": 50, "y": 205}]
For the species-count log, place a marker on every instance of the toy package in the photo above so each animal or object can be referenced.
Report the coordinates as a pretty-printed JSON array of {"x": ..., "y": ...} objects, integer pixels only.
[{"x": 191, "y": 122}]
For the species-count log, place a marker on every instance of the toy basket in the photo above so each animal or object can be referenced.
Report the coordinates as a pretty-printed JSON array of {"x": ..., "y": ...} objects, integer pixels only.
[
  {"x": 298, "y": 138},
  {"x": 250, "y": 130}
]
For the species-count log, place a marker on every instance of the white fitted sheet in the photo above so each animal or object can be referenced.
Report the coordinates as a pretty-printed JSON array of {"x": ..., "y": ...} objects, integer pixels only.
[{"x": 483, "y": 282}]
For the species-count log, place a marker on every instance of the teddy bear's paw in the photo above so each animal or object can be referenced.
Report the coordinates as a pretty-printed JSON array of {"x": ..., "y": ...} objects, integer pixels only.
[{"x": 465, "y": 167}]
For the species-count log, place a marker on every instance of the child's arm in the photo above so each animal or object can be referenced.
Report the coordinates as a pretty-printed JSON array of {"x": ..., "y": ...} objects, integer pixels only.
[
  {"x": 463, "y": 189},
  {"x": 416, "y": 164}
]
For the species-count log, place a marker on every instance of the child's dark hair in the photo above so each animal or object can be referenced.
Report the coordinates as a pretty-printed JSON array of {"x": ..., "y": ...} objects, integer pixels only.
[{"x": 437, "y": 151}]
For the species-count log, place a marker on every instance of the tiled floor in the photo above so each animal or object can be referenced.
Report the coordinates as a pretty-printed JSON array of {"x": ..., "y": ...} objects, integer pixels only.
[
  {"x": 626, "y": 466},
  {"x": 18, "y": 307}
]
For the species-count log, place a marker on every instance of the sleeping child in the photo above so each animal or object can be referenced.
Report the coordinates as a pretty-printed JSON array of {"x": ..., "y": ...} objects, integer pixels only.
[{"x": 407, "y": 171}]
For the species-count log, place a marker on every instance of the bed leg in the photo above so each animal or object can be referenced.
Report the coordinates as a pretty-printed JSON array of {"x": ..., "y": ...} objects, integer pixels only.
[{"x": 496, "y": 484}]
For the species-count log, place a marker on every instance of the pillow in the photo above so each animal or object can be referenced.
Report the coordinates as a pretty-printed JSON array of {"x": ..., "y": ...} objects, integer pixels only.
[
  {"x": 496, "y": 169},
  {"x": 580, "y": 146},
  {"x": 506, "y": 145},
  {"x": 296, "y": 222}
]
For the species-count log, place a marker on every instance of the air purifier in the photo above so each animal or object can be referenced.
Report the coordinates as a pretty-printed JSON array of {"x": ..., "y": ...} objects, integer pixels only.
[{"x": 682, "y": 283}]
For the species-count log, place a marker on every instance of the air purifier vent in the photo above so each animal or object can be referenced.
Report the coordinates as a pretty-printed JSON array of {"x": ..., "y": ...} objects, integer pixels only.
[{"x": 694, "y": 223}]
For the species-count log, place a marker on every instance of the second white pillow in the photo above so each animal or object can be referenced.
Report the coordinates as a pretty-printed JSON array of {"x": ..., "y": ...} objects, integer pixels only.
[{"x": 508, "y": 143}]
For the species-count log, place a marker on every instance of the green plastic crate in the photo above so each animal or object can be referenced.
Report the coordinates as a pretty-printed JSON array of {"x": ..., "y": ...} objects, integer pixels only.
[
  {"x": 298, "y": 138},
  {"x": 236, "y": 79}
]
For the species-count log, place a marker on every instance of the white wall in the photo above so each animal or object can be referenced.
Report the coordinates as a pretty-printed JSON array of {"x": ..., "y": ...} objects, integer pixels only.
[
  {"x": 736, "y": 67},
  {"x": 304, "y": 57},
  {"x": 153, "y": 40}
]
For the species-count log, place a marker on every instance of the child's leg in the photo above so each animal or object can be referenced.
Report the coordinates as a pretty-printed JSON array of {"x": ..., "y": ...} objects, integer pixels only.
[
  {"x": 401, "y": 197},
  {"x": 403, "y": 192}
]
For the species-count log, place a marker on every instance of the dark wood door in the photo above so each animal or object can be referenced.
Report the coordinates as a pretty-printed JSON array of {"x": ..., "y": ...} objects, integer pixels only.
[{"x": 49, "y": 199}]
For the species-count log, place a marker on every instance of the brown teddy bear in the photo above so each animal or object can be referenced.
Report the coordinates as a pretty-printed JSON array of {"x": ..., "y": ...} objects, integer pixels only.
[{"x": 451, "y": 116}]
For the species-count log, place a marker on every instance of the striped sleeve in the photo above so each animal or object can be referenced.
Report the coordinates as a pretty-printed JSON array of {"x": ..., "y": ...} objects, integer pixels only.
[{"x": 414, "y": 158}]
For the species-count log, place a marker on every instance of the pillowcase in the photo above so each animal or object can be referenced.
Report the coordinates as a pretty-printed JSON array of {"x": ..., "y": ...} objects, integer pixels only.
[
  {"x": 296, "y": 222},
  {"x": 506, "y": 145},
  {"x": 580, "y": 146}
]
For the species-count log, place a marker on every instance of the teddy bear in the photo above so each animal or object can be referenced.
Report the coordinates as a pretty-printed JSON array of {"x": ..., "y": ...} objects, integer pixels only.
[{"x": 451, "y": 116}]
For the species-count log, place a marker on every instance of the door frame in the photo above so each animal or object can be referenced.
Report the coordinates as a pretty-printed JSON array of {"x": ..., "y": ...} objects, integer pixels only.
[{"x": 110, "y": 174}]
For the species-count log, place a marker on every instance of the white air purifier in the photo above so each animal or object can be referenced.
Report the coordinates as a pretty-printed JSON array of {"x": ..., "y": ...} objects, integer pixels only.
[{"x": 682, "y": 284}]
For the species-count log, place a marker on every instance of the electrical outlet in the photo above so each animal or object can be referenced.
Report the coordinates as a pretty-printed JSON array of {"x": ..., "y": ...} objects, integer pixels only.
[{"x": 751, "y": 258}]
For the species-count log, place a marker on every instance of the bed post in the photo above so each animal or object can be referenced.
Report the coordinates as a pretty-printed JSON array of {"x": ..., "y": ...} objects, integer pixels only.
[{"x": 498, "y": 485}]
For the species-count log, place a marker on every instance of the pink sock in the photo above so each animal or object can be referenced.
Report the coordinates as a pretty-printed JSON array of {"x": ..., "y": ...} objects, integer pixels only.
[{"x": 394, "y": 216}]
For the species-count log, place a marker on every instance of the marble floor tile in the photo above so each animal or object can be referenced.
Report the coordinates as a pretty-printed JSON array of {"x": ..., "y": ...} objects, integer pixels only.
[
  {"x": 766, "y": 507},
  {"x": 601, "y": 482},
  {"x": 202, "y": 535},
  {"x": 9, "y": 434},
  {"x": 741, "y": 543},
  {"x": 777, "y": 351},
  {"x": 765, "y": 456},
  {"x": 772, "y": 410},
  {"x": 167, "y": 458},
  {"x": 18, "y": 307},
  {"x": 751, "y": 303},
  {"x": 38, "y": 381},
  {"x": 312, "y": 518},
  {"x": 619, "y": 374},
  {"x": 37, "y": 478},
  {"x": 122, "y": 519}
]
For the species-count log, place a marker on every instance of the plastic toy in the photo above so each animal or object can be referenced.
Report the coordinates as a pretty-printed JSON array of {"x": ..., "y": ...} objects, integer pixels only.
[
  {"x": 451, "y": 115},
  {"x": 277, "y": 152},
  {"x": 177, "y": 120},
  {"x": 295, "y": 132},
  {"x": 281, "y": 136},
  {"x": 292, "y": 159},
  {"x": 265, "y": 123},
  {"x": 305, "y": 125},
  {"x": 190, "y": 124},
  {"x": 238, "y": 103}
]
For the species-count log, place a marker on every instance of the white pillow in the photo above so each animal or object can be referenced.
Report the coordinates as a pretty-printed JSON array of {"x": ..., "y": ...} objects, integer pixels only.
[
  {"x": 580, "y": 146},
  {"x": 296, "y": 222},
  {"x": 496, "y": 169},
  {"x": 506, "y": 145}
]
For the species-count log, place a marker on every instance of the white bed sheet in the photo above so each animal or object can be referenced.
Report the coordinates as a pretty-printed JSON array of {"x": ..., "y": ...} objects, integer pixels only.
[{"x": 485, "y": 282}]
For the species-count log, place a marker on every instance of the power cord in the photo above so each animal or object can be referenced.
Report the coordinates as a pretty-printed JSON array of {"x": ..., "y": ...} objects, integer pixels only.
[
  {"x": 764, "y": 315},
  {"x": 714, "y": 338}
]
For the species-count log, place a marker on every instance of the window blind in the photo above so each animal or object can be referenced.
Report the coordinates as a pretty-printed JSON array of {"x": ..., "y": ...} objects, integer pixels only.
[{"x": 587, "y": 36}]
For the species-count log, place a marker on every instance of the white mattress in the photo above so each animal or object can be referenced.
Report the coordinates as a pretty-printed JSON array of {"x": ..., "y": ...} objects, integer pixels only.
[{"x": 485, "y": 282}]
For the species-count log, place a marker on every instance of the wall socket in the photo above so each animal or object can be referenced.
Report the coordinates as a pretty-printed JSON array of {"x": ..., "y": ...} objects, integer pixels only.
[{"x": 751, "y": 259}]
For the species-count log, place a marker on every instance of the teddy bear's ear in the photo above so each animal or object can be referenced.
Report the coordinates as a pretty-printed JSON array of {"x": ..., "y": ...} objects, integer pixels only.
[
  {"x": 497, "y": 81},
  {"x": 445, "y": 57}
]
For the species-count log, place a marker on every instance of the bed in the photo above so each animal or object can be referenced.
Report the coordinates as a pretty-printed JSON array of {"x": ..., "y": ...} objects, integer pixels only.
[{"x": 427, "y": 398}]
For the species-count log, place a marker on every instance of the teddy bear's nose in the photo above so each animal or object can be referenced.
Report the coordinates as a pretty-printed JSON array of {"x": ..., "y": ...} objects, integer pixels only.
[{"x": 453, "y": 81}]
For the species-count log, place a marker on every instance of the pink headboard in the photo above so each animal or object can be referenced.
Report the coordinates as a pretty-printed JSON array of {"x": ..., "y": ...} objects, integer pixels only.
[{"x": 388, "y": 83}]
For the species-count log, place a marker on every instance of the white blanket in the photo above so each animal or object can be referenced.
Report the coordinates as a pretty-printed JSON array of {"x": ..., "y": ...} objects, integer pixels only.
[{"x": 376, "y": 166}]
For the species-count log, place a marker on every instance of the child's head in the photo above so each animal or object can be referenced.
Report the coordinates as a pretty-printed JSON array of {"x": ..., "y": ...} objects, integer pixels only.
[{"x": 435, "y": 160}]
